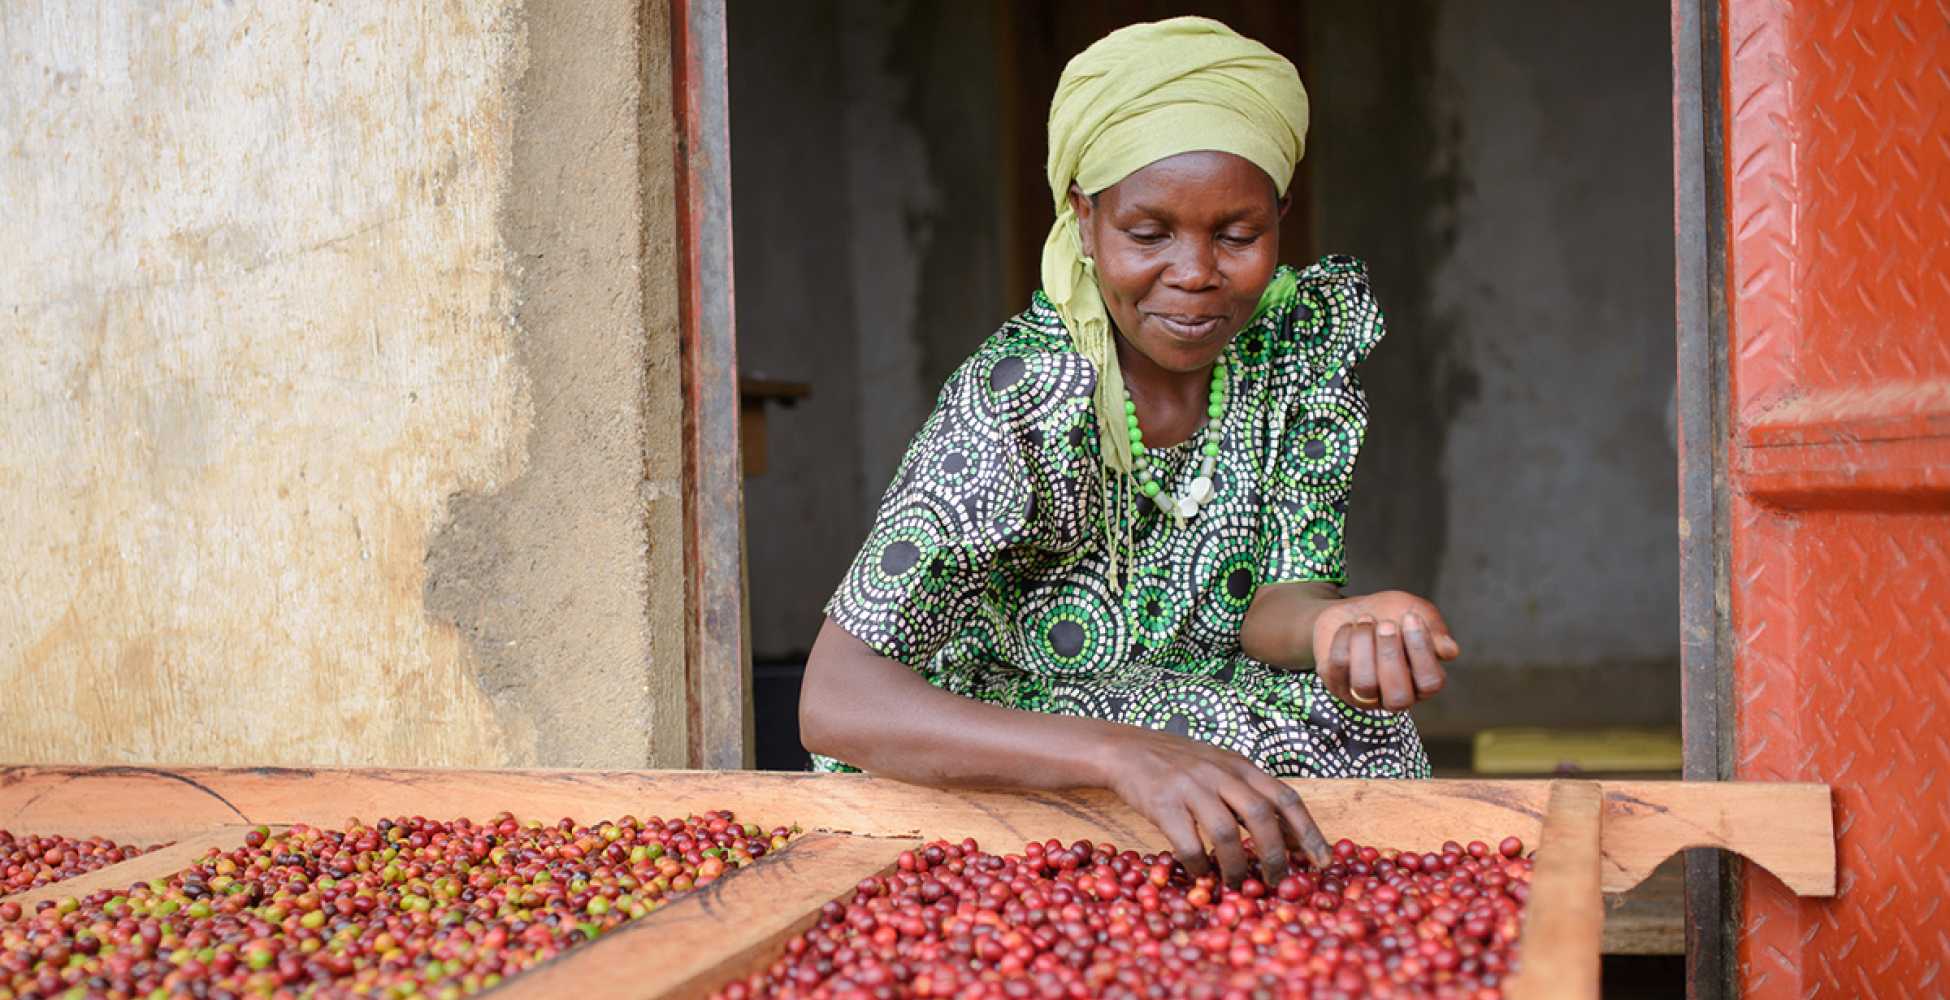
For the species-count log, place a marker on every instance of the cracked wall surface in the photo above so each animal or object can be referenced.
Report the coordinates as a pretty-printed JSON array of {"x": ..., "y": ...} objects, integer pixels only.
[{"x": 339, "y": 353}]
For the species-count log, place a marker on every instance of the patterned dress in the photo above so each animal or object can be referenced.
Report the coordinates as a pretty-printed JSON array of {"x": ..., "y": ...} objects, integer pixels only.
[{"x": 987, "y": 570}]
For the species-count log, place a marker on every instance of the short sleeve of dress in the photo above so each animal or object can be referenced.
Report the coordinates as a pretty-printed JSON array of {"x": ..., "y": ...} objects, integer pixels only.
[
  {"x": 962, "y": 498},
  {"x": 1326, "y": 329}
]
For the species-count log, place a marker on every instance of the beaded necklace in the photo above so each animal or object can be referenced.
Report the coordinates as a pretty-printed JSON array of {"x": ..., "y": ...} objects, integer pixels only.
[{"x": 1200, "y": 491}]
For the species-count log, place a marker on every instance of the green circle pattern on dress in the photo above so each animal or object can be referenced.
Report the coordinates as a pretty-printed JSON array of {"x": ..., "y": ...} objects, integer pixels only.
[
  {"x": 1224, "y": 564},
  {"x": 1319, "y": 547},
  {"x": 1156, "y": 609},
  {"x": 987, "y": 566},
  {"x": 1071, "y": 628},
  {"x": 1192, "y": 707},
  {"x": 1084, "y": 701},
  {"x": 1323, "y": 449},
  {"x": 1254, "y": 345}
]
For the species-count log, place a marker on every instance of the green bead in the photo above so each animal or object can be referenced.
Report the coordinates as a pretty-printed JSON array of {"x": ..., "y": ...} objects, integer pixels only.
[
  {"x": 1212, "y": 448},
  {"x": 1152, "y": 489},
  {"x": 1217, "y": 408},
  {"x": 1129, "y": 405},
  {"x": 1132, "y": 421},
  {"x": 1137, "y": 449},
  {"x": 1137, "y": 436}
]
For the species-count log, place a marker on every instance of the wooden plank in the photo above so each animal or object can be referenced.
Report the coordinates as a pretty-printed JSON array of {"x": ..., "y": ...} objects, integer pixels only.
[
  {"x": 1564, "y": 919},
  {"x": 1786, "y": 828},
  {"x": 752, "y": 387},
  {"x": 160, "y": 863},
  {"x": 718, "y": 664},
  {"x": 173, "y": 802},
  {"x": 726, "y": 930},
  {"x": 751, "y": 437}
]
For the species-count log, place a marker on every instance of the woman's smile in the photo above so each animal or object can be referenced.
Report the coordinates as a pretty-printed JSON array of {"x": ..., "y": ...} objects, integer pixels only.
[
  {"x": 1189, "y": 327},
  {"x": 1184, "y": 248}
]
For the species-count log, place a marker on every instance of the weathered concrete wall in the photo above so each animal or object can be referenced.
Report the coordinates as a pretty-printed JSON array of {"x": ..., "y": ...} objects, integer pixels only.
[
  {"x": 1386, "y": 195},
  {"x": 1507, "y": 177},
  {"x": 1560, "y": 287},
  {"x": 339, "y": 385}
]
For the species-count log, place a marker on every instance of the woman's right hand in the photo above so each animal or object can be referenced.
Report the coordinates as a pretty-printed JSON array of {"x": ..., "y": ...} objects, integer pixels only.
[
  {"x": 1384, "y": 650},
  {"x": 1184, "y": 787},
  {"x": 883, "y": 717}
]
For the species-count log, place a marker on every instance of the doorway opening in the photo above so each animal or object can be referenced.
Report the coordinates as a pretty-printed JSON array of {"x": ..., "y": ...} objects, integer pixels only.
[{"x": 1506, "y": 176}]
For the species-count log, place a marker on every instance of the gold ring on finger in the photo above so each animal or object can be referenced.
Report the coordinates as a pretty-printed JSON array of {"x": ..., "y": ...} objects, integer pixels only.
[{"x": 1363, "y": 702}]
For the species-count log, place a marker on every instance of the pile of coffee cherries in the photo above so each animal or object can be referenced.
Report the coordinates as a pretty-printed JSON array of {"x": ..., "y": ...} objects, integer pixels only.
[
  {"x": 402, "y": 907},
  {"x": 1087, "y": 920},
  {"x": 28, "y": 862}
]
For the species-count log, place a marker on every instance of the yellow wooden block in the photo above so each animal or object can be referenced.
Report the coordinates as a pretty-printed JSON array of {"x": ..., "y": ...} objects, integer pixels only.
[{"x": 1543, "y": 751}]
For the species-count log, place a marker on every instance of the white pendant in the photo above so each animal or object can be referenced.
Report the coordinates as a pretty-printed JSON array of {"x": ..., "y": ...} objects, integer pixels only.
[
  {"x": 1187, "y": 507},
  {"x": 1166, "y": 502},
  {"x": 1201, "y": 490}
]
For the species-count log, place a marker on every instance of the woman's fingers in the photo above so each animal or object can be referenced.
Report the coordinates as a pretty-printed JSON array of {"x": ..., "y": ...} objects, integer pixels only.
[
  {"x": 1296, "y": 823},
  {"x": 1361, "y": 682},
  {"x": 1392, "y": 669},
  {"x": 1333, "y": 673},
  {"x": 1424, "y": 664},
  {"x": 1222, "y": 829},
  {"x": 1262, "y": 818},
  {"x": 1445, "y": 645},
  {"x": 1176, "y": 824}
]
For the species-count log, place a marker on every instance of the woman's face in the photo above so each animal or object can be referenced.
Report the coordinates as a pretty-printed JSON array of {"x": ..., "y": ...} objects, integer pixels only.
[{"x": 1184, "y": 249}]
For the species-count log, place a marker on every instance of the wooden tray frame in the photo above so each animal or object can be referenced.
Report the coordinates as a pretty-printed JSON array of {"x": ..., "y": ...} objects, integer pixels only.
[{"x": 1594, "y": 837}]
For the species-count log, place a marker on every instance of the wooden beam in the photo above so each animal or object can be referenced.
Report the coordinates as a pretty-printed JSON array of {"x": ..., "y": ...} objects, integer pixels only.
[
  {"x": 753, "y": 389},
  {"x": 729, "y": 929},
  {"x": 1786, "y": 828},
  {"x": 1564, "y": 919},
  {"x": 717, "y": 656},
  {"x": 160, "y": 863},
  {"x": 161, "y": 802}
]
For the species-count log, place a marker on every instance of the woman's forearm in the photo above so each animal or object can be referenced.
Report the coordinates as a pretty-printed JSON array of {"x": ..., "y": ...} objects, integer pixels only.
[
  {"x": 880, "y": 716},
  {"x": 1279, "y": 626}
]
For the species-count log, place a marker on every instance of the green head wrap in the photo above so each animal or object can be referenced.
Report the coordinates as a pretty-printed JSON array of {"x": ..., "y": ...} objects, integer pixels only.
[{"x": 1137, "y": 96}]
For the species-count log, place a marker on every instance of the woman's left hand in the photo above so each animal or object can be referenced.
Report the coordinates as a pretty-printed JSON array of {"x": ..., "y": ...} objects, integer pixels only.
[{"x": 1383, "y": 650}]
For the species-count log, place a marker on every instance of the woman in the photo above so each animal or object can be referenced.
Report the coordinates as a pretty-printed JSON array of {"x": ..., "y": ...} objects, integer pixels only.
[{"x": 1111, "y": 557}]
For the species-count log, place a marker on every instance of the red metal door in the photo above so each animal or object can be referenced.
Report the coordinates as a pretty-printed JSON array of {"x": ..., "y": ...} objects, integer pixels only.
[{"x": 1837, "y": 174}]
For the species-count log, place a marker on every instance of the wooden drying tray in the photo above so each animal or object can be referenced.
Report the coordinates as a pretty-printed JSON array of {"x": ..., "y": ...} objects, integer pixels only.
[{"x": 1593, "y": 837}]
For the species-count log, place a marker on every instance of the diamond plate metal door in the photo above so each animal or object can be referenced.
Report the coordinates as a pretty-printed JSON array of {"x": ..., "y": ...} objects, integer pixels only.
[{"x": 1837, "y": 176}]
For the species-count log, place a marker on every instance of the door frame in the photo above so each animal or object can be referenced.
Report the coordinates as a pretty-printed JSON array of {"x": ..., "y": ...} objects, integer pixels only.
[
  {"x": 1706, "y": 655},
  {"x": 718, "y": 660},
  {"x": 717, "y": 650}
]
